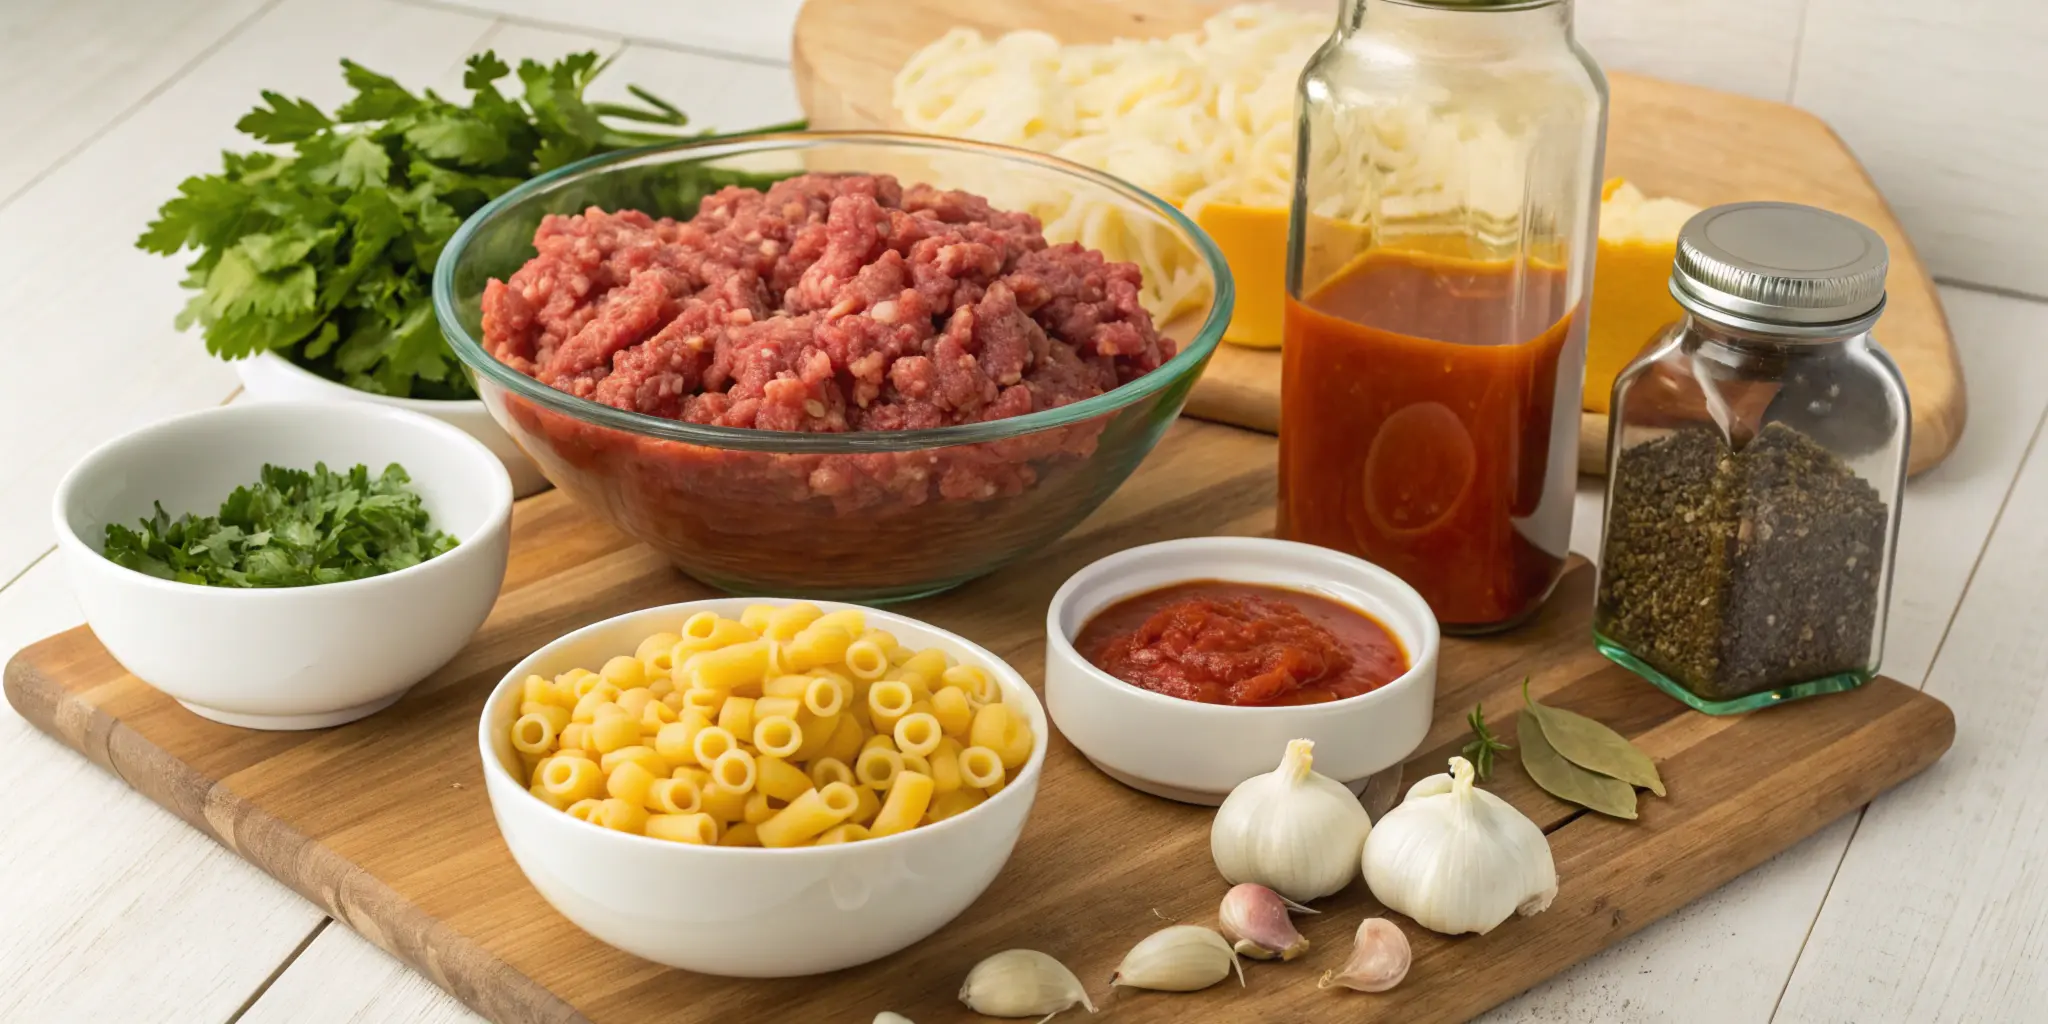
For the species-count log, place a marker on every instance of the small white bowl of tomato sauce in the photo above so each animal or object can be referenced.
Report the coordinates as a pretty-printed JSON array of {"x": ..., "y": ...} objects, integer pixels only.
[{"x": 1183, "y": 668}]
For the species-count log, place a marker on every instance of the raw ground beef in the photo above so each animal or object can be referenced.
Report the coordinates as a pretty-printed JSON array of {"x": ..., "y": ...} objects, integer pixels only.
[{"x": 829, "y": 303}]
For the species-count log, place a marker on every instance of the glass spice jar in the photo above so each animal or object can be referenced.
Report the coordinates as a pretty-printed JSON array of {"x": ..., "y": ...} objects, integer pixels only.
[
  {"x": 1440, "y": 254},
  {"x": 1756, "y": 456}
]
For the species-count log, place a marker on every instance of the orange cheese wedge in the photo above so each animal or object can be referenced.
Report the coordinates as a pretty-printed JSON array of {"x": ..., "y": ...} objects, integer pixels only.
[
  {"x": 1632, "y": 302},
  {"x": 1254, "y": 243}
]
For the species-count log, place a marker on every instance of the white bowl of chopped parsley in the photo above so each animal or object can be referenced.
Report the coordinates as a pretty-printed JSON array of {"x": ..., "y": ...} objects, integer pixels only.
[{"x": 286, "y": 565}]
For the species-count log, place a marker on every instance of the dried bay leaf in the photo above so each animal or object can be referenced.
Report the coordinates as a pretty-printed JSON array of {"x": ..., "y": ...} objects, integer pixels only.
[
  {"x": 1594, "y": 747},
  {"x": 1567, "y": 781}
]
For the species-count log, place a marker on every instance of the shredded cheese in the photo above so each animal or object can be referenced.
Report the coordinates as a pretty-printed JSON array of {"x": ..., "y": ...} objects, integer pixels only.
[{"x": 1195, "y": 118}]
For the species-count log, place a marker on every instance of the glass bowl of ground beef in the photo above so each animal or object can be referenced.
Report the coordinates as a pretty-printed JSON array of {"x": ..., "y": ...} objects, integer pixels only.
[{"x": 858, "y": 366}]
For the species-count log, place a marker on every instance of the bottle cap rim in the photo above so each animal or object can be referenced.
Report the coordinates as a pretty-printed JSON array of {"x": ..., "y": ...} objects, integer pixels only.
[{"x": 1786, "y": 264}]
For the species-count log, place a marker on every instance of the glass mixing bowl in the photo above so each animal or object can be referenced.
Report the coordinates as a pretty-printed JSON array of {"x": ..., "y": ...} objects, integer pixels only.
[{"x": 870, "y": 516}]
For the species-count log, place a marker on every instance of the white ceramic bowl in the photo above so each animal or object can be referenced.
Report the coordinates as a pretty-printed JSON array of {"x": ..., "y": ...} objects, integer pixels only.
[
  {"x": 287, "y": 657},
  {"x": 1194, "y": 752},
  {"x": 269, "y": 377},
  {"x": 741, "y": 912}
]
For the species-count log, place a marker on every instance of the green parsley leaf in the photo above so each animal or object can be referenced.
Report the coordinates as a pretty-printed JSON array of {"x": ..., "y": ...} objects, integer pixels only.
[
  {"x": 291, "y": 529},
  {"x": 284, "y": 120},
  {"x": 203, "y": 203},
  {"x": 327, "y": 253},
  {"x": 378, "y": 97},
  {"x": 360, "y": 163},
  {"x": 458, "y": 139},
  {"x": 484, "y": 69}
]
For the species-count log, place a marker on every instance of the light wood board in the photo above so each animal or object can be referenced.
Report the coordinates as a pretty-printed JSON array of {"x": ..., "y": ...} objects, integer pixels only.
[
  {"x": 385, "y": 824},
  {"x": 1701, "y": 145}
]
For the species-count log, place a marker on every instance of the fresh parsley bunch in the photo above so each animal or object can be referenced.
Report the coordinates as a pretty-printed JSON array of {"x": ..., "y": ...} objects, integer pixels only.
[
  {"x": 327, "y": 253},
  {"x": 292, "y": 529}
]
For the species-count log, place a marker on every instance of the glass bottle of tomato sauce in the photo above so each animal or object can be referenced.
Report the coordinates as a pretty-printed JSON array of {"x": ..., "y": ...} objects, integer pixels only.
[{"x": 1439, "y": 263}]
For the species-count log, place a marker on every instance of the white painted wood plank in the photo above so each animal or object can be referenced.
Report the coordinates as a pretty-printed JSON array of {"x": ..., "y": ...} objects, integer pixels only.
[
  {"x": 1942, "y": 101},
  {"x": 726, "y": 95},
  {"x": 1950, "y": 509},
  {"x": 1719, "y": 959},
  {"x": 1743, "y": 46},
  {"x": 512, "y": 42},
  {"x": 717, "y": 93},
  {"x": 1940, "y": 911},
  {"x": 757, "y": 29},
  {"x": 64, "y": 77},
  {"x": 111, "y": 908},
  {"x": 87, "y": 316},
  {"x": 342, "y": 979},
  {"x": 1726, "y": 956}
]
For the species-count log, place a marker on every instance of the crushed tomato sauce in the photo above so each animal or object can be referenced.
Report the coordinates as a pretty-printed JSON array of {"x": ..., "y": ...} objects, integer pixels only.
[{"x": 1242, "y": 644}]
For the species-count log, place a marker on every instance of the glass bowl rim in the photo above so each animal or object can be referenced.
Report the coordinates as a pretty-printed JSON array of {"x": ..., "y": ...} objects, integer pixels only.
[{"x": 471, "y": 351}]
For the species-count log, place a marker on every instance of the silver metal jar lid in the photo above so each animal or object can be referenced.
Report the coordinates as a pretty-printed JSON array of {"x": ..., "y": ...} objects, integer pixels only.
[{"x": 1780, "y": 266}]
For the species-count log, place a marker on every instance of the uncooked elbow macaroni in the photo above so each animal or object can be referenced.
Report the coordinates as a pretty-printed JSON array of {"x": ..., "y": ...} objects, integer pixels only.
[{"x": 787, "y": 726}]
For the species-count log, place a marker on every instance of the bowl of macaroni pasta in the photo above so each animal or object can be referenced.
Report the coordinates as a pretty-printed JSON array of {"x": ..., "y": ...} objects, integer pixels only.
[{"x": 761, "y": 788}]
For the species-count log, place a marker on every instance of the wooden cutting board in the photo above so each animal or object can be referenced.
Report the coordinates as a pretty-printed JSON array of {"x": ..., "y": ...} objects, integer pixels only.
[
  {"x": 384, "y": 822},
  {"x": 1700, "y": 145}
]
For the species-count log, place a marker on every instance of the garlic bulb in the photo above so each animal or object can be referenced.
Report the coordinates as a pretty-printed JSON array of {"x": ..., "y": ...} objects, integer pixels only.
[
  {"x": 1379, "y": 959},
  {"x": 1291, "y": 830},
  {"x": 1182, "y": 958},
  {"x": 1457, "y": 858},
  {"x": 1254, "y": 918},
  {"x": 1022, "y": 983}
]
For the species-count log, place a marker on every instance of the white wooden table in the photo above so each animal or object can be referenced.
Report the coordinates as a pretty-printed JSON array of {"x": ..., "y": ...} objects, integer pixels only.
[{"x": 1929, "y": 905}]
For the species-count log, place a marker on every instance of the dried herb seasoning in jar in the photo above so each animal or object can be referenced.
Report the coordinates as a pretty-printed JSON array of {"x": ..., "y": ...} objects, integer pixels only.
[
  {"x": 1754, "y": 467},
  {"x": 1733, "y": 571}
]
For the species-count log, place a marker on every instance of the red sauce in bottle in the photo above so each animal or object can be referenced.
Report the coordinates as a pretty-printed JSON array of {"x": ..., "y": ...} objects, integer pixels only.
[
  {"x": 1429, "y": 418},
  {"x": 1243, "y": 644}
]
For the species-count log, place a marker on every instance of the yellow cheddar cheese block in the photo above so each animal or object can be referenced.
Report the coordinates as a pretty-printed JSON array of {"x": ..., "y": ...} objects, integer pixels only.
[
  {"x": 1254, "y": 243},
  {"x": 1632, "y": 302}
]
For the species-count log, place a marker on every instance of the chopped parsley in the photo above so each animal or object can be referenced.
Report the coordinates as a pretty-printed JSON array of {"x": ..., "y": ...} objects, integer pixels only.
[{"x": 292, "y": 529}]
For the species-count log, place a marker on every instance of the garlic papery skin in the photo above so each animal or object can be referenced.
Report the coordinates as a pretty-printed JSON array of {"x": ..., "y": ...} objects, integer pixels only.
[
  {"x": 1290, "y": 830},
  {"x": 1456, "y": 858},
  {"x": 1254, "y": 919},
  {"x": 1022, "y": 983},
  {"x": 1379, "y": 959},
  {"x": 1182, "y": 958}
]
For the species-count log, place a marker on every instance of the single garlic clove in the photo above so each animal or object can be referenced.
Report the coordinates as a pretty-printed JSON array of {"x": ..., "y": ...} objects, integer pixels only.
[
  {"x": 1379, "y": 959},
  {"x": 1182, "y": 958},
  {"x": 890, "y": 1017},
  {"x": 1022, "y": 983},
  {"x": 1255, "y": 919}
]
